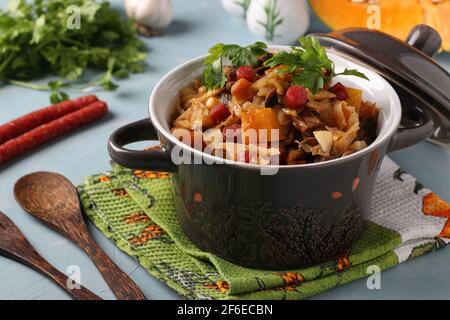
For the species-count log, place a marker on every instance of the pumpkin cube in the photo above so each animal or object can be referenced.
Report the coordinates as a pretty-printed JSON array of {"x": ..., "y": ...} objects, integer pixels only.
[
  {"x": 354, "y": 98},
  {"x": 242, "y": 90},
  {"x": 257, "y": 119}
]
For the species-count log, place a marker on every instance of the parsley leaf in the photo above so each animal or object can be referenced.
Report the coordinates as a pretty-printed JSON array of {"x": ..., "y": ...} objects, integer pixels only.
[
  {"x": 245, "y": 56},
  {"x": 289, "y": 59},
  {"x": 351, "y": 72},
  {"x": 314, "y": 55},
  {"x": 213, "y": 74},
  {"x": 311, "y": 79},
  {"x": 57, "y": 95},
  {"x": 310, "y": 64}
]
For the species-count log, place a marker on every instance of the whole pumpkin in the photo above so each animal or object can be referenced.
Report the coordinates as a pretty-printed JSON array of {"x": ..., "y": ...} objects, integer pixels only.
[{"x": 396, "y": 17}]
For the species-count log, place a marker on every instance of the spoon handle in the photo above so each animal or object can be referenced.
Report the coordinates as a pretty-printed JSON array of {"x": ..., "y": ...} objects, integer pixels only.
[
  {"x": 119, "y": 282},
  {"x": 34, "y": 260}
]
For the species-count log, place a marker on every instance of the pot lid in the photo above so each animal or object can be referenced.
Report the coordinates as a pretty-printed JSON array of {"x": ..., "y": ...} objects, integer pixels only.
[{"x": 418, "y": 79}]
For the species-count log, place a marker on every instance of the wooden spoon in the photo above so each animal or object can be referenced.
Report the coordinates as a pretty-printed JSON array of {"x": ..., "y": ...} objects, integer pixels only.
[
  {"x": 14, "y": 245},
  {"x": 52, "y": 198}
]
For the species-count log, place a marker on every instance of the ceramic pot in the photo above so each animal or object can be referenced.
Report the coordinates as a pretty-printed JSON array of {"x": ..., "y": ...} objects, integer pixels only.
[{"x": 298, "y": 217}]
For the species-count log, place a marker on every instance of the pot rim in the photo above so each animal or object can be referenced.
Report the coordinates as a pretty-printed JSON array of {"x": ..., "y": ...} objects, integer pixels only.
[{"x": 379, "y": 141}]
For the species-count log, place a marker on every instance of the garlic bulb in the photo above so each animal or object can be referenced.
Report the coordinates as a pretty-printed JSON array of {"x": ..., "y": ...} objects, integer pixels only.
[
  {"x": 237, "y": 8},
  {"x": 278, "y": 21},
  {"x": 153, "y": 15}
]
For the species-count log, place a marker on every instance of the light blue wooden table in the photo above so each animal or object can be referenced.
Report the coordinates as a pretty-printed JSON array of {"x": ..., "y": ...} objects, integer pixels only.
[{"x": 198, "y": 25}]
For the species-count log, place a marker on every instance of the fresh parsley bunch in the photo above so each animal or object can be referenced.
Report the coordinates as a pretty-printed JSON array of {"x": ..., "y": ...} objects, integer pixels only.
[
  {"x": 36, "y": 40},
  {"x": 309, "y": 63}
]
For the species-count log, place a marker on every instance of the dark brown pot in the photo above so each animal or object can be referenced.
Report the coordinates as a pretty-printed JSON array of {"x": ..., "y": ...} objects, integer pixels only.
[{"x": 300, "y": 216}]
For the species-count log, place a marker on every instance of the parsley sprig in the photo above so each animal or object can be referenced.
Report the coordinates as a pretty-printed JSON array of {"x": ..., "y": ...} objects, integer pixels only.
[
  {"x": 310, "y": 65},
  {"x": 36, "y": 40},
  {"x": 214, "y": 76}
]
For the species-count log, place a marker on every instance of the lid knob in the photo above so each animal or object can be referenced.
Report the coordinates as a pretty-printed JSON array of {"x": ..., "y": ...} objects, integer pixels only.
[{"x": 426, "y": 39}]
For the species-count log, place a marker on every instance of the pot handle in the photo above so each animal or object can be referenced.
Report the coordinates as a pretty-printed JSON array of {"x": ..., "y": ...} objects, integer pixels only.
[
  {"x": 426, "y": 39},
  {"x": 417, "y": 128},
  {"x": 142, "y": 130}
]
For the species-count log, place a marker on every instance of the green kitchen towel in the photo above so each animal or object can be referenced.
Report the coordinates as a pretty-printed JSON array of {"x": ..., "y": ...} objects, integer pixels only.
[{"x": 135, "y": 209}]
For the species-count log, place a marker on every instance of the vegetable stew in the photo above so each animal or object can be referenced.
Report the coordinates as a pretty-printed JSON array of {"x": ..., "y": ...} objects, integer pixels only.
[{"x": 263, "y": 107}]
